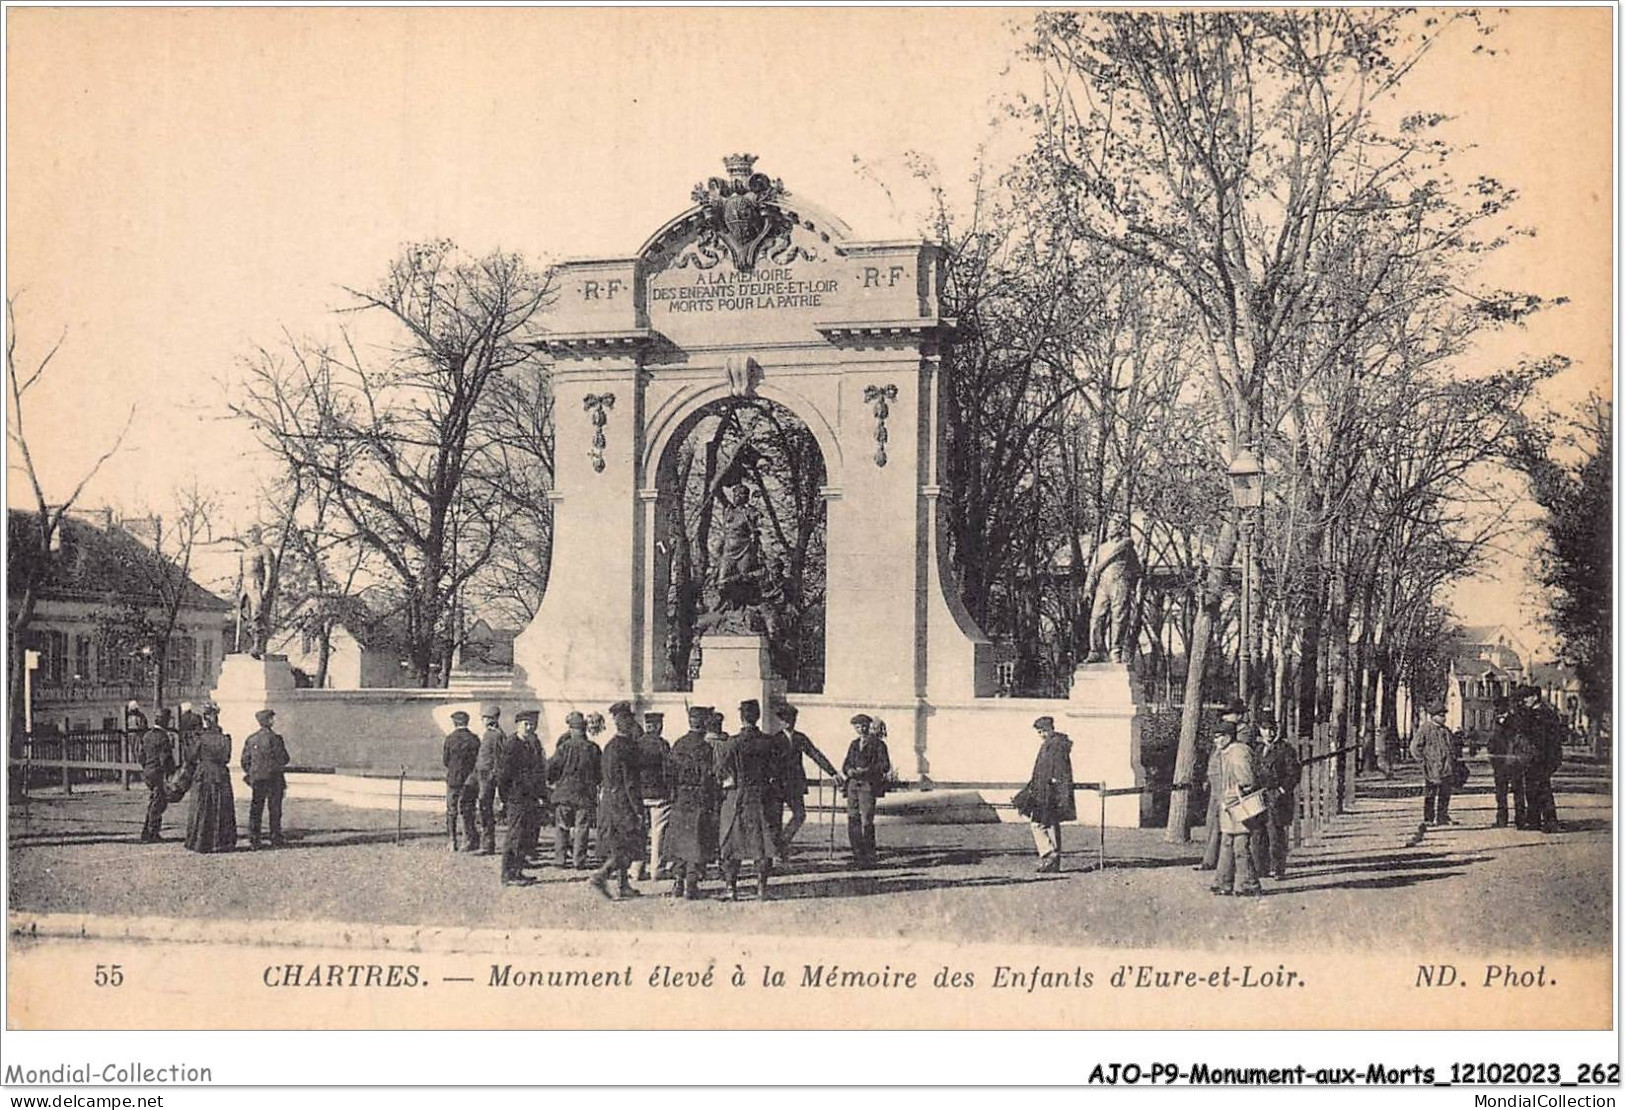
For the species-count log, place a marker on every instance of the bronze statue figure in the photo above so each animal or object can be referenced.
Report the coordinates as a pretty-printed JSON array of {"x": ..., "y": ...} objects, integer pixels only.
[
  {"x": 255, "y": 578},
  {"x": 1116, "y": 573}
]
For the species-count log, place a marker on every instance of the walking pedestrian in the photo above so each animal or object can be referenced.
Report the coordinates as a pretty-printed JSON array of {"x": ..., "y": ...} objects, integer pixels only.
[
  {"x": 458, "y": 754},
  {"x": 1435, "y": 749},
  {"x": 866, "y": 771},
  {"x": 574, "y": 774},
  {"x": 265, "y": 759},
  {"x": 1047, "y": 800}
]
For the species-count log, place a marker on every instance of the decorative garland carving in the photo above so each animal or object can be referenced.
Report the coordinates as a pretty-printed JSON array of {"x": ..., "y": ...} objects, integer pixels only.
[
  {"x": 597, "y": 404},
  {"x": 877, "y": 396}
]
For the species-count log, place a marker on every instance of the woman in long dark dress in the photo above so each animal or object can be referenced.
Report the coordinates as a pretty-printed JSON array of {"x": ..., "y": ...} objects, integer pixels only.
[{"x": 212, "y": 826}]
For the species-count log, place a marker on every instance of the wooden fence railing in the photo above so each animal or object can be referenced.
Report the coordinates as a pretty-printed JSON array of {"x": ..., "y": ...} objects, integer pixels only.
[{"x": 77, "y": 757}]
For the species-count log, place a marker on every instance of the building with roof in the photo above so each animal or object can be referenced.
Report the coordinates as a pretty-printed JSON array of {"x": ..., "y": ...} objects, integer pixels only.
[
  {"x": 366, "y": 646},
  {"x": 100, "y": 580}
]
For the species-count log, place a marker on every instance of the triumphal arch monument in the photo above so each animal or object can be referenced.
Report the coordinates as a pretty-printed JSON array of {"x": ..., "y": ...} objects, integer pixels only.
[{"x": 754, "y": 292}]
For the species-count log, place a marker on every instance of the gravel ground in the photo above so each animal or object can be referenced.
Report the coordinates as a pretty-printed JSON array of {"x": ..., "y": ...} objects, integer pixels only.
[{"x": 1367, "y": 885}]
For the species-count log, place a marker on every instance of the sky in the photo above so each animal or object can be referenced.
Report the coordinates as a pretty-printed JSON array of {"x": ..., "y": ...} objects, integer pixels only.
[{"x": 182, "y": 185}]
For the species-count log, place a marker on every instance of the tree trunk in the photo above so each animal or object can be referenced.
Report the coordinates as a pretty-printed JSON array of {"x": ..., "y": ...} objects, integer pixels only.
[{"x": 1179, "y": 831}]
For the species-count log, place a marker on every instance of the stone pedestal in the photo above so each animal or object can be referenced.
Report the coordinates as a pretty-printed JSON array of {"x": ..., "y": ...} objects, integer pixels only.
[
  {"x": 246, "y": 686},
  {"x": 734, "y": 668},
  {"x": 1102, "y": 716}
]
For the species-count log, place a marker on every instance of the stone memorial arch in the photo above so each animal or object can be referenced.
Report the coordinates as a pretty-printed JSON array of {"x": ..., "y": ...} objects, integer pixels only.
[
  {"x": 751, "y": 292},
  {"x": 754, "y": 292}
]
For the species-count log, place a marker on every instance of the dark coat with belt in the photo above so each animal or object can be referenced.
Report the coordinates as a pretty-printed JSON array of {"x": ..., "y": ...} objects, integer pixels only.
[
  {"x": 1047, "y": 799},
  {"x": 691, "y": 835},
  {"x": 867, "y": 765},
  {"x": 458, "y": 753},
  {"x": 575, "y": 771},
  {"x": 265, "y": 757},
  {"x": 748, "y": 768},
  {"x": 620, "y": 804}
]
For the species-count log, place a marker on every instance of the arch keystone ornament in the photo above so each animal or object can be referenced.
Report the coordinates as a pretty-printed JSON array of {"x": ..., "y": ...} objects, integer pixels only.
[{"x": 854, "y": 331}]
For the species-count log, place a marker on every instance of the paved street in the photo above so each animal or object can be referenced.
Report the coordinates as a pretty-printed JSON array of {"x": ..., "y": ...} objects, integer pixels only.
[{"x": 1368, "y": 885}]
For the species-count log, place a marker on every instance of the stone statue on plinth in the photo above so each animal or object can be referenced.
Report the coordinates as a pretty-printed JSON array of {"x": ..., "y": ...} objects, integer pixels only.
[
  {"x": 255, "y": 578},
  {"x": 734, "y": 600},
  {"x": 1112, "y": 615}
]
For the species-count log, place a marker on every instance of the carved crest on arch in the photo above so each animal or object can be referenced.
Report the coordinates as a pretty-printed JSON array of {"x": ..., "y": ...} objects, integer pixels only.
[{"x": 742, "y": 218}]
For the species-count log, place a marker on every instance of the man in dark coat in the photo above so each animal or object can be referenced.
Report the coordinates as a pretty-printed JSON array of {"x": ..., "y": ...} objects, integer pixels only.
[
  {"x": 653, "y": 752},
  {"x": 866, "y": 770},
  {"x": 621, "y": 835},
  {"x": 458, "y": 753},
  {"x": 1279, "y": 770},
  {"x": 1047, "y": 799},
  {"x": 799, "y": 747},
  {"x": 1545, "y": 731},
  {"x": 747, "y": 768},
  {"x": 488, "y": 768},
  {"x": 265, "y": 758},
  {"x": 1435, "y": 749},
  {"x": 157, "y": 764},
  {"x": 536, "y": 792},
  {"x": 691, "y": 835},
  {"x": 573, "y": 776},
  {"x": 516, "y": 784},
  {"x": 1507, "y": 767}
]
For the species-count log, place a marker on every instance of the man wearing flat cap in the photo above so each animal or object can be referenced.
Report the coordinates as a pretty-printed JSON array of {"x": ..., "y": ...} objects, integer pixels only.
[
  {"x": 265, "y": 758},
  {"x": 691, "y": 834},
  {"x": 525, "y": 735},
  {"x": 865, "y": 771},
  {"x": 621, "y": 836},
  {"x": 488, "y": 768},
  {"x": 516, "y": 783},
  {"x": 1435, "y": 749},
  {"x": 458, "y": 753},
  {"x": 573, "y": 775},
  {"x": 1047, "y": 799}
]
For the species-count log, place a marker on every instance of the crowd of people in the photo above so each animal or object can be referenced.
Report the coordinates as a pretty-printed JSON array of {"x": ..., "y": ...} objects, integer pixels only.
[
  {"x": 202, "y": 768},
  {"x": 671, "y": 810}
]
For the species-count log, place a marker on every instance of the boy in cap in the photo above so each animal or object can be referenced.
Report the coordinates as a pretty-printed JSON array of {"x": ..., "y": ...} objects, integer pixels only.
[
  {"x": 458, "y": 753},
  {"x": 574, "y": 773},
  {"x": 265, "y": 758},
  {"x": 865, "y": 770},
  {"x": 488, "y": 768},
  {"x": 1047, "y": 799}
]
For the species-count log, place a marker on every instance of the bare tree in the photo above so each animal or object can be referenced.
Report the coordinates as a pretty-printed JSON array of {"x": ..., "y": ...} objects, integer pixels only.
[{"x": 39, "y": 538}]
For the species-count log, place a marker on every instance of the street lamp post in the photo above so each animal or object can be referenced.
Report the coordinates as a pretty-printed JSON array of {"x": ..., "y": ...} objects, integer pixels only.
[{"x": 1247, "y": 492}]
